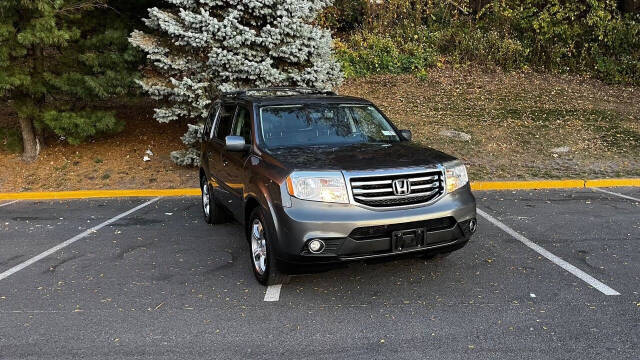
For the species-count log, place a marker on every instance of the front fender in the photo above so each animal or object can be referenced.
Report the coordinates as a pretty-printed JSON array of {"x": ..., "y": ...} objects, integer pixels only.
[{"x": 265, "y": 185}]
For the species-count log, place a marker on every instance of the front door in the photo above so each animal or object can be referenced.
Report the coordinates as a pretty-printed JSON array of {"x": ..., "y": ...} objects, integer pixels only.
[
  {"x": 216, "y": 146},
  {"x": 233, "y": 162},
  {"x": 210, "y": 158}
]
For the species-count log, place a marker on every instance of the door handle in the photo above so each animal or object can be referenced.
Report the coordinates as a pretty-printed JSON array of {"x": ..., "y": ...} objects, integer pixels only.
[{"x": 225, "y": 163}]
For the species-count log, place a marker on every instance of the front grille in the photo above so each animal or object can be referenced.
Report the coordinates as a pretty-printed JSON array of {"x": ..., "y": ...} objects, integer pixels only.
[
  {"x": 385, "y": 231},
  {"x": 377, "y": 191}
]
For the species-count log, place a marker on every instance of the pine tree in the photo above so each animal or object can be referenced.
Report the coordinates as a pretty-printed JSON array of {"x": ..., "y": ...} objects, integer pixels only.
[
  {"x": 199, "y": 48},
  {"x": 57, "y": 57}
]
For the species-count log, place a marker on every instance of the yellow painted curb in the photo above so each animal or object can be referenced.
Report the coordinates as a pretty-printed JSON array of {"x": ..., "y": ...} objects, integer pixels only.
[
  {"x": 527, "y": 185},
  {"x": 552, "y": 184},
  {"x": 91, "y": 194},
  {"x": 612, "y": 182},
  {"x": 476, "y": 185}
]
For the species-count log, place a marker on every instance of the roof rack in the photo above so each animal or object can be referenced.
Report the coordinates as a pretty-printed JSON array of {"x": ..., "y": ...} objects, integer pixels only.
[{"x": 278, "y": 91}]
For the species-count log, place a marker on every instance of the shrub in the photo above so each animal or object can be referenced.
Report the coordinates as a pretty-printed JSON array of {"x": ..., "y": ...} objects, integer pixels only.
[
  {"x": 367, "y": 53},
  {"x": 10, "y": 140},
  {"x": 77, "y": 127},
  {"x": 473, "y": 45},
  {"x": 584, "y": 36},
  {"x": 344, "y": 15}
]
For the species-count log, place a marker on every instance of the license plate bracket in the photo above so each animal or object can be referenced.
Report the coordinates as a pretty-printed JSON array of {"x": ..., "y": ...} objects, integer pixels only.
[{"x": 406, "y": 240}]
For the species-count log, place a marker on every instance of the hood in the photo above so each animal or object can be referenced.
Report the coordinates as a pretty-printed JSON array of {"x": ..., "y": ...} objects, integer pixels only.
[{"x": 359, "y": 157}]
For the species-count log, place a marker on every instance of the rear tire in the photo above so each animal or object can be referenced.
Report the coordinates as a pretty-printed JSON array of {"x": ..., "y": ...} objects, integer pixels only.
[
  {"x": 213, "y": 212},
  {"x": 261, "y": 250}
]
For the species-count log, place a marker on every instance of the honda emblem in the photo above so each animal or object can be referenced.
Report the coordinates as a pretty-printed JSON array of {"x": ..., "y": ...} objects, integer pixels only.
[{"x": 401, "y": 187}]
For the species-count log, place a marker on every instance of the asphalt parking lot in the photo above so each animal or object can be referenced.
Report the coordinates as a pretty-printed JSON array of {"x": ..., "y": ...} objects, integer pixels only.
[{"x": 550, "y": 274}]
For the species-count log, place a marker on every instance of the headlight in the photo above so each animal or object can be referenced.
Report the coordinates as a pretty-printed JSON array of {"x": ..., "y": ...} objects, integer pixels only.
[
  {"x": 326, "y": 186},
  {"x": 456, "y": 175}
]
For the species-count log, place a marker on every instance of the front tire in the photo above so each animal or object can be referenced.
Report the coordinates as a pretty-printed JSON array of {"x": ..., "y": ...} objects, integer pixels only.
[{"x": 263, "y": 260}]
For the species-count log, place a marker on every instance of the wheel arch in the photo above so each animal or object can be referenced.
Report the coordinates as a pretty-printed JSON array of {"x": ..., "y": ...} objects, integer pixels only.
[
  {"x": 249, "y": 205},
  {"x": 253, "y": 201}
]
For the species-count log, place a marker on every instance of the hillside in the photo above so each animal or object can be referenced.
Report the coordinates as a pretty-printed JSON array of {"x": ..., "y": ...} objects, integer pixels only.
[{"x": 515, "y": 120}]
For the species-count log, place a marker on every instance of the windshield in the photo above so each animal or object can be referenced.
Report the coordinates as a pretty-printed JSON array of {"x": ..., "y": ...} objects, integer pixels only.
[{"x": 323, "y": 124}]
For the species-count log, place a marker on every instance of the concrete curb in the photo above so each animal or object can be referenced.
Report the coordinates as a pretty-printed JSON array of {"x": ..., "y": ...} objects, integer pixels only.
[{"x": 477, "y": 185}]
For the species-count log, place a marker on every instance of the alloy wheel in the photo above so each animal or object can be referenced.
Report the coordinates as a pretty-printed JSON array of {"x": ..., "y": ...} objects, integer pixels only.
[
  {"x": 205, "y": 199},
  {"x": 258, "y": 247}
]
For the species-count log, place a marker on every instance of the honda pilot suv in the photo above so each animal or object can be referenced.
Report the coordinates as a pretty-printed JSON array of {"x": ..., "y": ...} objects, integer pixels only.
[{"x": 314, "y": 177}]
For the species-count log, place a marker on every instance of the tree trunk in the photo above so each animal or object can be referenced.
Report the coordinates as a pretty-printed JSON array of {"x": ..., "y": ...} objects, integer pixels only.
[
  {"x": 628, "y": 6},
  {"x": 28, "y": 139},
  {"x": 477, "y": 5},
  {"x": 632, "y": 6}
]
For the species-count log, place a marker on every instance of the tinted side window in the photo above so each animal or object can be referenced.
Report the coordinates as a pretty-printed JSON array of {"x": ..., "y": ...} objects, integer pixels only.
[
  {"x": 211, "y": 122},
  {"x": 242, "y": 125},
  {"x": 225, "y": 121}
]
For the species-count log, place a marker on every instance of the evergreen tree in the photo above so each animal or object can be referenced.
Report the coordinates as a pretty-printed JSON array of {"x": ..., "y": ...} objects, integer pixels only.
[
  {"x": 57, "y": 57},
  {"x": 202, "y": 47}
]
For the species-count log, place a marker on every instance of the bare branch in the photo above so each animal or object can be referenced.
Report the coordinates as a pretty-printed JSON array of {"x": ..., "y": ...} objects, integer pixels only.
[
  {"x": 459, "y": 7},
  {"x": 83, "y": 6}
]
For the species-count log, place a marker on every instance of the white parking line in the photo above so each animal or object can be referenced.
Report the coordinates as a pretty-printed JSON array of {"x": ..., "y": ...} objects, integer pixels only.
[
  {"x": 273, "y": 293},
  {"x": 9, "y": 203},
  {"x": 616, "y": 194},
  {"x": 60, "y": 246},
  {"x": 555, "y": 259}
]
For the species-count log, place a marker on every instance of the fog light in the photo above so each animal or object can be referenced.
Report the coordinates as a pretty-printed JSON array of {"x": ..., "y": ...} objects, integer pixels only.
[
  {"x": 315, "y": 246},
  {"x": 473, "y": 225}
]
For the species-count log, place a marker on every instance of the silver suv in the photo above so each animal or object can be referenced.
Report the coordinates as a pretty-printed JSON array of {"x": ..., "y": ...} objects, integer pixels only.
[{"x": 319, "y": 178}]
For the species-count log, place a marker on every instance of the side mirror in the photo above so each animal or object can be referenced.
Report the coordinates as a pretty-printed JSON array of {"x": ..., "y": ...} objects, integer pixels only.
[
  {"x": 235, "y": 143},
  {"x": 406, "y": 134}
]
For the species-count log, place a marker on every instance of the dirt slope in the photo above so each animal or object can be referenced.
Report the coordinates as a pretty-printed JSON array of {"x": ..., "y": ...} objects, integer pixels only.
[{"x": 515, "y": 121}]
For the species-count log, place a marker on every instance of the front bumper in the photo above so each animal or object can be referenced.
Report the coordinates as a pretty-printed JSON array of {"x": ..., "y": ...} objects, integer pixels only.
[{"x": 353, "y": 232}]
